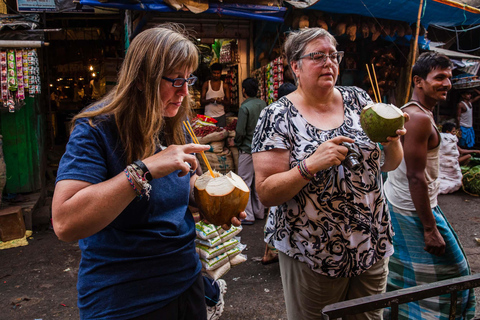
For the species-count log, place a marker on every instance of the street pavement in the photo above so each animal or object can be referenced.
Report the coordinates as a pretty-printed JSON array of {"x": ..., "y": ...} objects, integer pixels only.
[{"x": 38, "y": 281}]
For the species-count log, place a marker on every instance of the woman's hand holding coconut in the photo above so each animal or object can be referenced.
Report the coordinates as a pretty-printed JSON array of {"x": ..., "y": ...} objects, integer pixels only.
[
  {"x": 330, "y": 215},
  {"x": 400, "y": 132}
]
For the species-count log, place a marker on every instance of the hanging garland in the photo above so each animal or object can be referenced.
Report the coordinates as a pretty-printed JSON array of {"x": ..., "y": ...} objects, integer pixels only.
[{"x": 20, "y": 74}]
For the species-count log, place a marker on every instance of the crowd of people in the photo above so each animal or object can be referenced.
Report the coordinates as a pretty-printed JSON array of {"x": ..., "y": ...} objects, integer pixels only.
[{"x": 337, "y": 231}]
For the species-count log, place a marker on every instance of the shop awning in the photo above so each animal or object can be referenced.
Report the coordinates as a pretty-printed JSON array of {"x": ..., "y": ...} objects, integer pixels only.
[
  {"x": 467, "y": 66},
  {"x": 246, "y": 11},
  {"x": 440, "y": 12}
]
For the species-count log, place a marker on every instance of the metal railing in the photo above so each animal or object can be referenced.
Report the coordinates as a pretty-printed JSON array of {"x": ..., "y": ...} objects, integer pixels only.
[{"x": 394, "y": 298}]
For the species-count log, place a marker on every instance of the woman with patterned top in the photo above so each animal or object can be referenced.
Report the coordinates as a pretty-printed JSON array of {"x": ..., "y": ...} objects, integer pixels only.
[{"x": 332, "y": 227}]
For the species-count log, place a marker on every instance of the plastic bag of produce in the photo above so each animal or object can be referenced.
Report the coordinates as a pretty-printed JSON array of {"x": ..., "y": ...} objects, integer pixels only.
[
  {"x": 201, "y": 121},
  {"x": 206, "y": 252},
  {"x": 206, "y": 231},
  {"x": 207, "y": 134},
  {"x": 219, "y": 272}
]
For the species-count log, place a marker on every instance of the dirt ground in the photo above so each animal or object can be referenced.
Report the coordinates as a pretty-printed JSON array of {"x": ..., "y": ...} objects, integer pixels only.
[{"x": 38, "y": 281}]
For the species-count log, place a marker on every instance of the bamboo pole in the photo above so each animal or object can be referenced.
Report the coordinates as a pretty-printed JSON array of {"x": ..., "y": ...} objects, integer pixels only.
[{"x": 413, "y": 54}]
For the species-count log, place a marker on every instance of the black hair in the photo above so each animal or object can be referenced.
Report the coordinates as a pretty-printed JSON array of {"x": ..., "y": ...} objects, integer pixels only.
[
  {"x": 216, "y": 67},
  {"x": 448, "y": 126},
  {"x": 251, "y": 87},
  {"x": 285, "y": 89},
  {"x": 429, "y": 61},
  {"x": 465, "y": 91}
]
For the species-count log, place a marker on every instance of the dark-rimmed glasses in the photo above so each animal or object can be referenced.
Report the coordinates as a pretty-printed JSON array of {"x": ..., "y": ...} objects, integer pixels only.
[
  {"x": 320, "y": 57},
  {"x": 179, "y": 82}
]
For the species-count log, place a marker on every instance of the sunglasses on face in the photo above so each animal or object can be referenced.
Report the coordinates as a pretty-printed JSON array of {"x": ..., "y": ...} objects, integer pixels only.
[
  {"x": 321, "y": 58},
  {"x": 179, "y": 82}
]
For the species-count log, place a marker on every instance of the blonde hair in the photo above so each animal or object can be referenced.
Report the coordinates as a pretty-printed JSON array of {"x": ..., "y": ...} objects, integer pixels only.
[{"x": 136, "y": 100}]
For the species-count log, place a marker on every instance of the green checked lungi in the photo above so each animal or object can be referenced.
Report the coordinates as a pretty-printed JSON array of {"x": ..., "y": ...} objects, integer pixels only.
[{"x": 411, "y": 266}]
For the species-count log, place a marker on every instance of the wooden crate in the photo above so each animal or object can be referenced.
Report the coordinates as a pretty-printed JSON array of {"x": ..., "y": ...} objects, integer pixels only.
[{"x": 12, "y": 225}]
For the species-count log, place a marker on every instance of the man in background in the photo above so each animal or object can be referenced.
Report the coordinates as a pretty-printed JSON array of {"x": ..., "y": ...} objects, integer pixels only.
[
  {"x": 248, "y": 115},
  {"x": 465, "y": 118},
  {"x": 215, "y": 96}
]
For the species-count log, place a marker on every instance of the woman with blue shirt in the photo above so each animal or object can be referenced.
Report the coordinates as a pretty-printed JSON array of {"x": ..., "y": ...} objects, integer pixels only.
[{"x": 131, "y": 216}]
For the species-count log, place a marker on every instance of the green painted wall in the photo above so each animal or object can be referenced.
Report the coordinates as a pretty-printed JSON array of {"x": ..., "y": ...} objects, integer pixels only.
[{"x": 23, "y": 142}]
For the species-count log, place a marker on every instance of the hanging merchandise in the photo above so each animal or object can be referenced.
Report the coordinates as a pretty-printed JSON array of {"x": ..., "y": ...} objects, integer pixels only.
[
  {"x": 25, "y": 68},
  {"x": 270, "y": 77},
  {"x": 229, "y": 52},
  {"x": 216, "y": 47},
  {"x": 4, "y": 77},
  {"x": 19, "y": 72},
  {"x": 232, "y": 81},
  {"x": 274, "y": 79},
  {"x": 11, "y": 71},
  {"x": 34, "y": 72},
  {"x": 268, "y": 83},
  {"x": 259, "y": 74},
  {"x": 19, "y": 69}
]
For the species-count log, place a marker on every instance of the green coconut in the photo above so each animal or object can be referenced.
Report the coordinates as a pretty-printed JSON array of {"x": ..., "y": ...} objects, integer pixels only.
[
  {"x": 221, "y": 197},
  {"x": 381, "y": 120}
]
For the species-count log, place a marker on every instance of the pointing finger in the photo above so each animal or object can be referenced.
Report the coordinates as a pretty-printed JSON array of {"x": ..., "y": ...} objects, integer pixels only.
[{"x": 194, "y": 148}]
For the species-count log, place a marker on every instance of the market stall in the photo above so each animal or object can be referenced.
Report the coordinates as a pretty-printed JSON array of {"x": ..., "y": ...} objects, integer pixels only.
[{"x": 20, "y": 87}]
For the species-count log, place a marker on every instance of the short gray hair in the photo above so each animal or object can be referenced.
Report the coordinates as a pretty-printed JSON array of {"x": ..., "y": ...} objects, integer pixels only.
[{"x": 298, "y": 40}]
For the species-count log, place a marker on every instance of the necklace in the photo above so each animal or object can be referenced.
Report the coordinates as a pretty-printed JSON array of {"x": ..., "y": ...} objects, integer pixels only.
[{"x": 430, "y": 112}]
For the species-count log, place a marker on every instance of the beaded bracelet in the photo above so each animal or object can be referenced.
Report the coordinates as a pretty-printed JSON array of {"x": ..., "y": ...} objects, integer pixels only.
[
  {"x": 301, "y": 173},
  {"x": 138, "y": 192},
  {"x": 304, "y": 172},
  {"x": 304, "y": 165},
  {"x": 140, "y": 180}
]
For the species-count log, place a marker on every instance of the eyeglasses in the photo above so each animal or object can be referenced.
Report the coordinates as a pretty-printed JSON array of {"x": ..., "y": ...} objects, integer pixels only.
[
  {"x": 179, "y": 82},
  {"x": 320, "y": 57}
]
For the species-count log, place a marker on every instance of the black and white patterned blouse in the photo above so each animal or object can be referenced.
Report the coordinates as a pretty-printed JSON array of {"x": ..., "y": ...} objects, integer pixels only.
[{"x": 339, "y": 222}]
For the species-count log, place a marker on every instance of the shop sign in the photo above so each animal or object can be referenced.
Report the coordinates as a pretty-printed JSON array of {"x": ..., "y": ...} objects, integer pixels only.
[
  {"x": 50, "y": 6},
  {"x": 36, "y": 5}
]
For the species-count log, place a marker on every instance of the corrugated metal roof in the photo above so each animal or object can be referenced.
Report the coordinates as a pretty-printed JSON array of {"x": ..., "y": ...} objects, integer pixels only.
[
  {"x": 473, "y": 3},
  {"x": 455, "y": 54}
]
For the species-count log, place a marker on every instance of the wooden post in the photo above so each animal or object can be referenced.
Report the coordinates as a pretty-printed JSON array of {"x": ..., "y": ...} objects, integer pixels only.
[{"x": 412, "y": 57}]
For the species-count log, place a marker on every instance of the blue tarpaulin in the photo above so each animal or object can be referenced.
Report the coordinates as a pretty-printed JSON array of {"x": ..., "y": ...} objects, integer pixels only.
[
  {"x": 441, "y": 12},
  {"x": 255, "y": 12}
]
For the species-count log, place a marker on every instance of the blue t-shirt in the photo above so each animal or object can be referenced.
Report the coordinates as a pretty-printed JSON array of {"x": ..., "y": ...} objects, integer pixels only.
[{"x": 146, "y": 257}]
